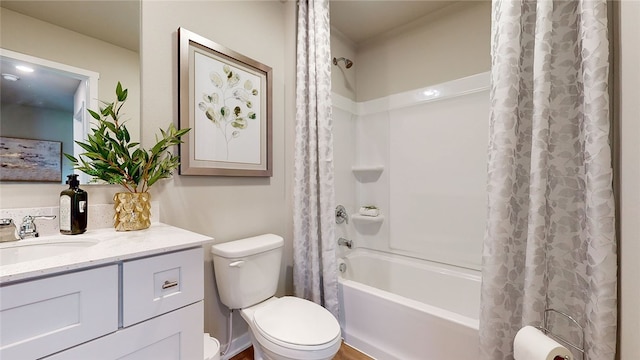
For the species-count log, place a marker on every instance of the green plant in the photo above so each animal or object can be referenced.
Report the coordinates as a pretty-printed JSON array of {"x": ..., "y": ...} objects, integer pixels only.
[{"x": 111, "y": 156}]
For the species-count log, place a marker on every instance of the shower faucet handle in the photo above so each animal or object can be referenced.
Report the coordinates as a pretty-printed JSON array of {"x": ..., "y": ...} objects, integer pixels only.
[{"x": 341, "y": 215}]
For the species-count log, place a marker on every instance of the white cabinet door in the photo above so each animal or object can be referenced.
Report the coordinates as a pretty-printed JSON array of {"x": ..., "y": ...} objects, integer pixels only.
[
  {"x": 173, "y": 336},
  {"x": 155, "y": 285},
  {"x": 44, "y": 316}
]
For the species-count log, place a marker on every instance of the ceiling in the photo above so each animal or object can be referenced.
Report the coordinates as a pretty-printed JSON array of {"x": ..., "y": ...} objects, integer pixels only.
[
  {"x": 116, "y": 22},
  {"x": 357, "y": 20},
  {"x": 43, "y": 88},
  {"x": 362, "y": 20}
]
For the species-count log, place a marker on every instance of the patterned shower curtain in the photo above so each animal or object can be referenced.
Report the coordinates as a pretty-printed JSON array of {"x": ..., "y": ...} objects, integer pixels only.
[
  {"x": 550, "y": 237},
  {"x": 314, "y": 261}
]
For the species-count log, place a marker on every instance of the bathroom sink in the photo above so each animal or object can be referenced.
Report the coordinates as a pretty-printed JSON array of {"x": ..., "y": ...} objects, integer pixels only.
[{"x": 33, "y": 249}]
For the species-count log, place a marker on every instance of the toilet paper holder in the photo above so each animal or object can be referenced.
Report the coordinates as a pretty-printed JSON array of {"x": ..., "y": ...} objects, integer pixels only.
[{"x": 547, "y": 331}]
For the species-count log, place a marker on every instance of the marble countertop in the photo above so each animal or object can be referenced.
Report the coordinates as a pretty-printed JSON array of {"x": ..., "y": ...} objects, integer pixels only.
[{"x": 110, "y": 246}]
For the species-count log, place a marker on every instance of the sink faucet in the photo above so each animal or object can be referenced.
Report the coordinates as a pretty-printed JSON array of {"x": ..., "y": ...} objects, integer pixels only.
[
  {"x": 28, "y": 226},
  {"x": 345, "y": 242}
]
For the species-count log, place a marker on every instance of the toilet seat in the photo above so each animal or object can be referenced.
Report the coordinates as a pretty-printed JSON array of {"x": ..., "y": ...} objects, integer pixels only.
[
  {"x": 296, "y": 322},
  {"x": 294, "y": 327}
]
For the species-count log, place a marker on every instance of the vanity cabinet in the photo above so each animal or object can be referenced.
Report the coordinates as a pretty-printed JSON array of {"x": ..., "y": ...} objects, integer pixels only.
[
  {"x": 142, "y": 308},
  {"x": 43, "y": 316}
]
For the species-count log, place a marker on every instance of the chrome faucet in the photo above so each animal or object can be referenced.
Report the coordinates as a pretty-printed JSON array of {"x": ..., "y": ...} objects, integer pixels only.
[
  {"x": 345, "y": 242},
  {"x": 28, "y": 226},
  {"x": 341, "y": 215}
]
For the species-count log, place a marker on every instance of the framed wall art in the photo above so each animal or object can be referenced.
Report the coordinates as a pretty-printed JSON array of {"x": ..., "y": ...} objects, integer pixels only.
[
  {"x": 30, "y": 160},
  {"x": 226, "y": 99}
]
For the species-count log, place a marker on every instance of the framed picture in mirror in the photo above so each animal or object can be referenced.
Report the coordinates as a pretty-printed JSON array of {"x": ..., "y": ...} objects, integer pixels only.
[
  {"x": 226, "y": 99},
  {"x": 30, "y": 160}
]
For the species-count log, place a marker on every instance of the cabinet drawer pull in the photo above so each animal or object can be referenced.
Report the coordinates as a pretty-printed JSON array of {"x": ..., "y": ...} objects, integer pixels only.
[{"x": 169, "y": 284}]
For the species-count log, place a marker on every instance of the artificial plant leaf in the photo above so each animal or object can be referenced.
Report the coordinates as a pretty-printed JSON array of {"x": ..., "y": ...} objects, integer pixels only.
[
  {"x": 234, "y": 79},
  {"x": 94, "y": 114},
  {"x": 239, "y": 123},
  {"x": 216, "y": 79},
  {"x": 225, "y": 112}
]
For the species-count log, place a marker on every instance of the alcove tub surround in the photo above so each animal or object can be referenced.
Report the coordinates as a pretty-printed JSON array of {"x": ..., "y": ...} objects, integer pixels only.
[{"x": 133, "y": 295}]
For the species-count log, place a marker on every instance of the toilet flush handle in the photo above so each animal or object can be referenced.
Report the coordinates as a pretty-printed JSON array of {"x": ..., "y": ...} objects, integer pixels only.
[{"x": 238, "y": 263}]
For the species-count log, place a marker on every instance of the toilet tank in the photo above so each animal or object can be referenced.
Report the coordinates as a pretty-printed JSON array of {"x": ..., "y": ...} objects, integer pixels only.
[{"x": 247, "y": 270}]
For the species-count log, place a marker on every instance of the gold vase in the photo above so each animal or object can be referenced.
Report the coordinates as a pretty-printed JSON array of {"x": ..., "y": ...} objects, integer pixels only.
[{"x": 133, "y": 211}]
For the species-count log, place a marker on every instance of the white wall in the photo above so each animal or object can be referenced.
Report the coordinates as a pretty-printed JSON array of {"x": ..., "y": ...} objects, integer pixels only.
[
  {"x": 431, "y": 190},
  {"x": 343, "y": 80},
  {"x": 629, "y": 177},
  {"x": 344, "y": 153},
  {"x": 225, "y": 208},
  {"x": 343, "y": 86},
  {"x": 451, "y": 43},
  {"x": 438, "y": 177}
]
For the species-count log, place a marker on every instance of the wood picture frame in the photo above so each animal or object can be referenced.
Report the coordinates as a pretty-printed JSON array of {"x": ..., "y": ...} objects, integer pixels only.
[{"x": 226, "y": 100}]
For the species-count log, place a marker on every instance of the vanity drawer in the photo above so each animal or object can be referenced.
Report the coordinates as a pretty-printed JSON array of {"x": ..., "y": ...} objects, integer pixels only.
[
  {"x": 173, "y": 336},
  {"x": 155, "y": 285},
  {"x": 44, "y": 316}
]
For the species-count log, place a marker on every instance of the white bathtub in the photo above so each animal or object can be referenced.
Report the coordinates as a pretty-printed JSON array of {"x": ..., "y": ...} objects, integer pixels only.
[{"x": 396, "y": 307}]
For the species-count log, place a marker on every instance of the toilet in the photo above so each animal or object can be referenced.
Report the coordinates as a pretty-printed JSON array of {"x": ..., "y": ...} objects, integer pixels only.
[{"x": 285, "y": 328}]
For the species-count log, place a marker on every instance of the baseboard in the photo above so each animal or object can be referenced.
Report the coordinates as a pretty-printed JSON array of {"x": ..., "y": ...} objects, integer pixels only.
[
  {"x": 238, "y": 345},
  {"x": 357, "y": 349},
  {"x": 367, "y": 348}
]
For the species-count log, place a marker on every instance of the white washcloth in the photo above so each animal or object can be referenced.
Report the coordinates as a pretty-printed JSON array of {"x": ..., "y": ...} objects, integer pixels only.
[
  {"x": 532, "y": 344},
  {"x": 367, "y": 211}
]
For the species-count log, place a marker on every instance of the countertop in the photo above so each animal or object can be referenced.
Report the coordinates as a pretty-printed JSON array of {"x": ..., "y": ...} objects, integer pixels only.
[{"x": 111, "y": 246}]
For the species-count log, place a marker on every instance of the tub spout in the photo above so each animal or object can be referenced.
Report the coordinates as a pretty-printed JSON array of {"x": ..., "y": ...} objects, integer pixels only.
[{"x": 345, "y": 242}]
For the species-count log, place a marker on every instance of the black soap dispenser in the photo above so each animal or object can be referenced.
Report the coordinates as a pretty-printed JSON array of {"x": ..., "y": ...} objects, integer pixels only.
[{"x": 73, "y": 208}]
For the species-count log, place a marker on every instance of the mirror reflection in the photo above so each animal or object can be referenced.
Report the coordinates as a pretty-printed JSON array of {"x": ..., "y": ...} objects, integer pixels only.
[{"x": 69, "y": 45}]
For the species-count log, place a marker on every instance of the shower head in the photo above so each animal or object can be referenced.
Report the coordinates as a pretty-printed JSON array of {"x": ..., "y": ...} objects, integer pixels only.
[{"x": 347, "y": 63}]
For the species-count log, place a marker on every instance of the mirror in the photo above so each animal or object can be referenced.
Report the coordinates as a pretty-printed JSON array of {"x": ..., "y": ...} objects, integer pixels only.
[{"x": 89, "y": 45}]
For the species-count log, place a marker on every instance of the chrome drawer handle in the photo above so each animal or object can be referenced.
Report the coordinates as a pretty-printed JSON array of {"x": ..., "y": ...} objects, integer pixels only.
[{"x": 169, "y": 284}]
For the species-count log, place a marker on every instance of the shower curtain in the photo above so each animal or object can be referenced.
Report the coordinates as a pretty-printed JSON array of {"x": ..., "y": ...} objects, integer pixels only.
[
  {"x": 314, "y": 261},
  {"x": 550, "y": 238}
]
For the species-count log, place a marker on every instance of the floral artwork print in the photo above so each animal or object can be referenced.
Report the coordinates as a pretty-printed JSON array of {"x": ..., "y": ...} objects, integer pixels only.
[{"x": 228, "y": 109}]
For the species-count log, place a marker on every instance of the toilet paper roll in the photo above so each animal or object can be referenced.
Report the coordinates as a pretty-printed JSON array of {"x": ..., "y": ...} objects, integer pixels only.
[{"x": 532, "y": 344}]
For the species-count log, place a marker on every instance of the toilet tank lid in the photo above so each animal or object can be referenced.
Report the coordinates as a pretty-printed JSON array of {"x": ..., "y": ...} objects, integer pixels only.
[{"x": 248, "y": 246}]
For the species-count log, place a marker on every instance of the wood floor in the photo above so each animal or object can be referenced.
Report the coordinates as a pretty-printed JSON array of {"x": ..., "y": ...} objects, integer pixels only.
[{"x": 346, "y": 352}]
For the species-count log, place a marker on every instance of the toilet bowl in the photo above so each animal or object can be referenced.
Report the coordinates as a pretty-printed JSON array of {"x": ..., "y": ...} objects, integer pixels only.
[
  {"x": 286, "y": 328},
  {"x": 291, "y": 328}
]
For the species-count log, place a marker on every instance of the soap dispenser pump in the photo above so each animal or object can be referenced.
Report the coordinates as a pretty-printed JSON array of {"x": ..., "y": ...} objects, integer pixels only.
[{"x": 73, "y": 208}]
